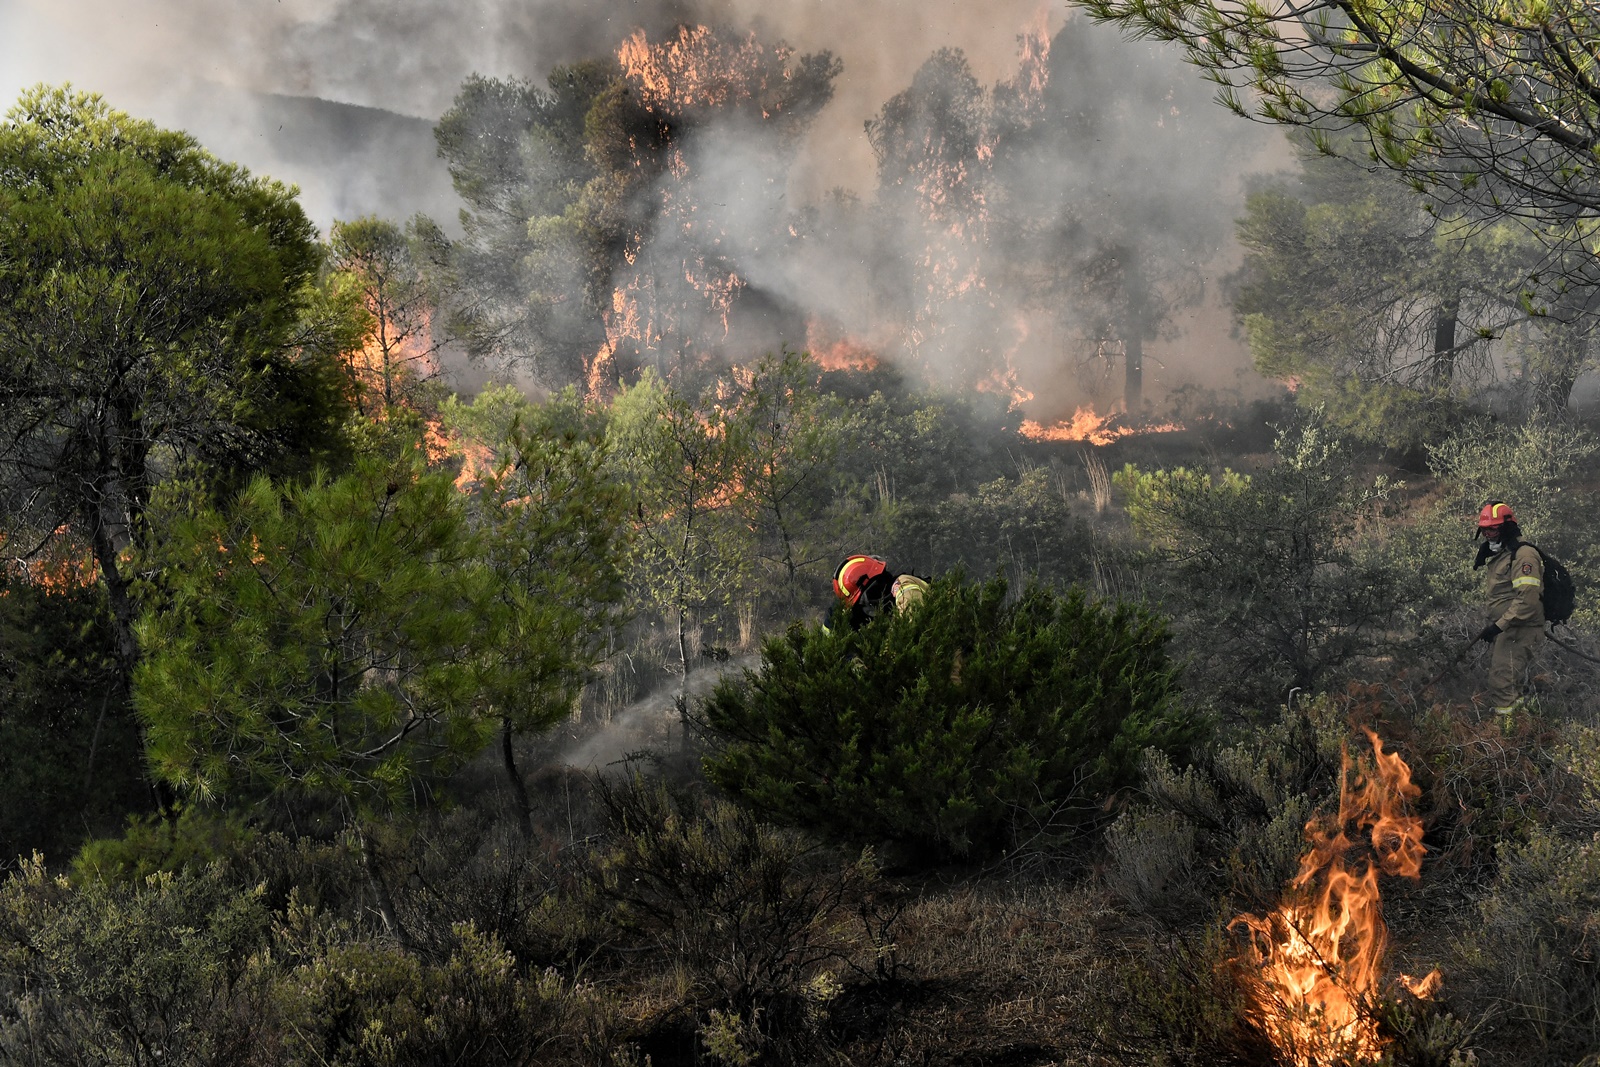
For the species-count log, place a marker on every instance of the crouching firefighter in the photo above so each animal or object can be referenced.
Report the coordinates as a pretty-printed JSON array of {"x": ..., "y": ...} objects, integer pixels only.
[
  {"x": 870, "y": 588},
  {"x": 1516, "y": 607}
]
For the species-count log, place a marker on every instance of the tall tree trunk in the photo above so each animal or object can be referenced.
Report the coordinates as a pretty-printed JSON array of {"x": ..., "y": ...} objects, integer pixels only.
[
  {"x": 519, "y": 791},
  {"x": 380, "y": 889},
  {"x": 1136, "y": 298},
  {"x": 1444, "y": 340},
  {"x": 683, "y": 662},
  {"x": 1568, "y": 331},
  {"x": 1133, "y": 379},
  {"x": 94, "y": 742},
  {"x": 117, "y": 594}
]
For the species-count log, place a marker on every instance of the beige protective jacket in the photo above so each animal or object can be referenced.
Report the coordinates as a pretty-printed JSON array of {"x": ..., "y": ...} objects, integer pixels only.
[{"x": 1516, "y": 585}]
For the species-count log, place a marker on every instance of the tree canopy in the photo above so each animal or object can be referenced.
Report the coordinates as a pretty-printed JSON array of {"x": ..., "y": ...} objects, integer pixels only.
[
  {"x": 150, "y": 304},
  {"x": 1491, "y": 107}
]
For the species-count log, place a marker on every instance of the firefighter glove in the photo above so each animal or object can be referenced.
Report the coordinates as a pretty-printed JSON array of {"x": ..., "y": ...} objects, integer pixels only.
[{"x": 1490, "y": 632}]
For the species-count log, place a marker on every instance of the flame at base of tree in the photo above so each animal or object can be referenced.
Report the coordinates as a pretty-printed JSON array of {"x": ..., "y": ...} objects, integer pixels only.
[
  {"x": 1096, "y": 429},
  {"x": 1315, "y": 963}
]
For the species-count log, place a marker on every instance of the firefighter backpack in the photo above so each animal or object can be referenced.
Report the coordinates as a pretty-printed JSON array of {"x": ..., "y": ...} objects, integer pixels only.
[{"x": 1560, "y": 592}]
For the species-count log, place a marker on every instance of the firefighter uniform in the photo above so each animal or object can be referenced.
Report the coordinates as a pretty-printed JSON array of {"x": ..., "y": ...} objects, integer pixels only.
[
  {"x": 908, "y": 591},
  {"x": 1516, "y": 586},
  {"x": 870, "y": 588}
]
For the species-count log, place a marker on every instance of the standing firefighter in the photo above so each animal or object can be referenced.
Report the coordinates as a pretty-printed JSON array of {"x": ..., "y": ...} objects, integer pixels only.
[
  {"x": 870, "y": 588},
  {"x": 1516, "y": 607}
]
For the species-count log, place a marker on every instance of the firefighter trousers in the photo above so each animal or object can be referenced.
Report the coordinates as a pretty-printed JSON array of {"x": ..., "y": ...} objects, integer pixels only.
[{"x": 1508, "y": 666}]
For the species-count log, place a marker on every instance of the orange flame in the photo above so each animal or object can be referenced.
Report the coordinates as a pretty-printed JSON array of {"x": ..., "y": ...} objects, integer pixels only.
[
  {"x": 392, "y": 357},
  {"x": 831, "y": 352},
  {"x": 1086, "y": 425},
  {"x": 1316, "y": 961},
  {"x": 65, "y": 564},
  {"x": 695, "y": 68}
]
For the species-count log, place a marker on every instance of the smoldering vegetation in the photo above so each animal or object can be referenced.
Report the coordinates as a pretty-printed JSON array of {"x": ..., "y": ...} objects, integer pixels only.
[{"x": 361, "y": 708}]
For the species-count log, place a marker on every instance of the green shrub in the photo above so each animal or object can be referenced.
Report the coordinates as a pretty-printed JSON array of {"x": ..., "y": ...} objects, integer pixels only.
[
  {"x": 1231, "y": 824},
  {"x": 1532, "y": 949},
  {"x": 127, "y": 973},
  {"x": 152, "y": 843},
  {"x": 1271, "y": 579},
  {"x": 960, "y": 729},
  {"x": 370, "y": 1004},
  {"x": 749, "y": 912}
]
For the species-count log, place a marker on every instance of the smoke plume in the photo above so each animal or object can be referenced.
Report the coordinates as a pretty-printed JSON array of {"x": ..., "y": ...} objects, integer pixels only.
[{"x": 339, "y": 98}]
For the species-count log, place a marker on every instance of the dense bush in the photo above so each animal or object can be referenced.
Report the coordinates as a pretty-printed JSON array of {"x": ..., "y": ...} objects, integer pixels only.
[
  {"x": 1532, "y": 948},
  {"x": 70, "y": 748},
  {"x": 127, "y": 973},
  {"x": 960, "y": 729},
  {"x": 188, "y": 968},
  {"x": 1269, "y": 576},
  {"x": 1230, "y": 824}
]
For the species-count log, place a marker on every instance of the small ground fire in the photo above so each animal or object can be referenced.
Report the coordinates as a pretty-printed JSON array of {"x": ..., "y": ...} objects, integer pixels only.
[
  {"x": 1316, "y": 961},
  {"x": 1087, "y": 425}
]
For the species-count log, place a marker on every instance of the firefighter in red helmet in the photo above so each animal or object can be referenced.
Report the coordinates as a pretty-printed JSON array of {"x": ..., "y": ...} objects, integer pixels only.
[
  {"x": 869, "y": 588},
  {"x": 1516, "y": 605}
]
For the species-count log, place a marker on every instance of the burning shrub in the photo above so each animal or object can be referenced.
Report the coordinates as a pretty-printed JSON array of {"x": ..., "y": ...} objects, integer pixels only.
[{"x": 962, "y": 729}]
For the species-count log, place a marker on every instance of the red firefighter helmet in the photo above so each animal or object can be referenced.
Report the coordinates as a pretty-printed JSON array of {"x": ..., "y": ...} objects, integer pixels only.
[
  {"x": 853, "y": 573},
  {"x": 1495, "y": 513}
]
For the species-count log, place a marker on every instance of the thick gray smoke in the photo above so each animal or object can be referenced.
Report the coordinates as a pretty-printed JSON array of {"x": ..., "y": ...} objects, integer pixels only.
[
  {"x": 167, "y": 59},
  {"x": 1003, "y": 226},
  {"x": 338, "y": 97}
]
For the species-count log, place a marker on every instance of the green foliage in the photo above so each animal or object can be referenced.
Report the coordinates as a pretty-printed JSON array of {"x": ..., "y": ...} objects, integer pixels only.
[
  {"x": 784, "y": 442},
  {"x": 184, "y": 839},
  {"x": 751, "y": 912},
  {"x": 1529, "y": 946},
  {"x": 1383, "y": 312},
  {"x": 906, "y": 444},
  {"x": 70, "y": 749},
  {"x": 960, "y": 728},
  {"x": 361, "y": 635},
  {"x": 356, "y": 1002},
  {"x": 553, "y": 533},
  {"x": 185, "y": 968},
  {"x": 1020, "y": 529},
  {"x": 1269, "y": 578},
  {"x": 321, "y": 635},
  {"x": 485, "y": 422},
  {"x": 150, "y": 300},
  {"x": 124, "y": 973},
  {"x": 691, "y": 553}
]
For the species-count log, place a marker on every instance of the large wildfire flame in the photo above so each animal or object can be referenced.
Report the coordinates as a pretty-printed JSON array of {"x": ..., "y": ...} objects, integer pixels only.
[
  {"x": 1316, "y": 961},
  {"x": 1087, "y": 425}
]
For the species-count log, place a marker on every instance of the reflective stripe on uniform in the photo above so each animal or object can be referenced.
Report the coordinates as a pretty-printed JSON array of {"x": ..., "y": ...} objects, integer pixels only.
[
  {"x": 908, "y": 590},
  {"x": 1520, "y": 583}
]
